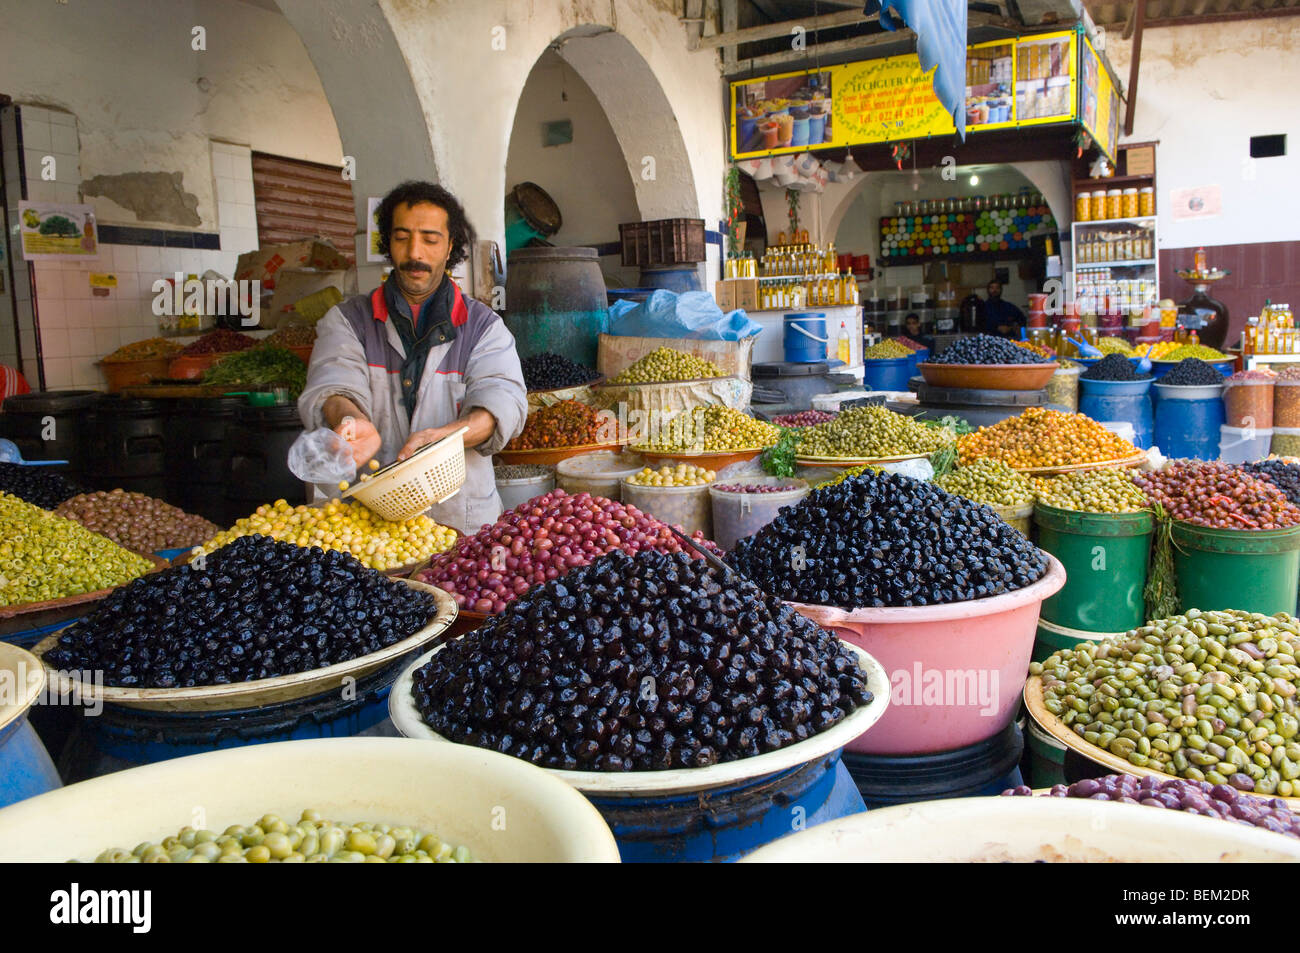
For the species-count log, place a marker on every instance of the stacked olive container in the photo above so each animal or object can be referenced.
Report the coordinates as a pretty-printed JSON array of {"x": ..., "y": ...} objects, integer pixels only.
[{"x": 1106, "y": 556}]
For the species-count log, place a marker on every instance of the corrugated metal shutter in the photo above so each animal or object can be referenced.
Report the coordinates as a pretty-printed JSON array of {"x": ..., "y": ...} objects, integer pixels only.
[{"x": 297, "y": 199}]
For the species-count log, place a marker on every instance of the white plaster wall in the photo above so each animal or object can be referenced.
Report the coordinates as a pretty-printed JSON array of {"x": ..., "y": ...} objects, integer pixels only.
[
  {"x": 573, "y": 174},
  {"x": 127, "y": 71},
  {"x": 1203, "y": 91}
]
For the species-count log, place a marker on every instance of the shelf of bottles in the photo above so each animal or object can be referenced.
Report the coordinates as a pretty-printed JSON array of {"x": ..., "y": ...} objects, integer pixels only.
[
  {"x": 804, "y": 275},
  {"x": 1272, "y": 333},
  {"x": 1115, "y": 265}
]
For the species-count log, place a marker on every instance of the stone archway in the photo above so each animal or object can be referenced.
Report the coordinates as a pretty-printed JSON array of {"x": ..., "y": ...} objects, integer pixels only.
[
  {"x": 359, "y": 61},
  {"x": 431, "y": 89},
  {"x": 642, "y": 119}
]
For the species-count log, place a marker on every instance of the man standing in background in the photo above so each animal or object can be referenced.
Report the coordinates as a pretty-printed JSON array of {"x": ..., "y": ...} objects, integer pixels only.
[{"x": 1001, "y": 317}]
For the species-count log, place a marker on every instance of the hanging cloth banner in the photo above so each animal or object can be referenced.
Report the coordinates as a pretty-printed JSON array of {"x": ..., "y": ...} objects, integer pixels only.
[{"x": 940, "y": 28}]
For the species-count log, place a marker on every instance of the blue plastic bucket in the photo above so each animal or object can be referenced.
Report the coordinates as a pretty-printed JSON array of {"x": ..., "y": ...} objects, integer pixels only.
[
  {"x": 805, "y": 337},
  {"x": 1126, "y": 401},
  {"x": 745, "y": 130},
  {"x": 122, "y": 737},
  {"x": 891, "y": 373},
  {"x": 799, "y": 135},
  {"x": 816, "y": 128},
  {"x": 724, "y": 824},
  {"x": 678, "y": 278},
  {"x": 918, "y": 357},
  {"x": 1188, "y": 420},
  {"x": 170, "y": 554}
]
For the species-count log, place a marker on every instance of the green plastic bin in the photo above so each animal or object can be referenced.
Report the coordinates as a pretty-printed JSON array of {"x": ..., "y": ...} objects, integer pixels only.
[
  {"x": 1046, "y": 757},
  {"x": 1052, "y": 638},
  {"x": 1105, "y": 557},
  {"x": 1250, "y": 570}
]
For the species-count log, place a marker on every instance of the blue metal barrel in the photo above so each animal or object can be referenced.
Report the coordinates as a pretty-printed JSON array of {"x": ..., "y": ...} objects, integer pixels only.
[
  {"x": 25, "y": 766},
  {"x": 723, "y": 824},
  {"x": 121, "y": 737},
  {"x": 1121, "y": 401},
  {"x": 1188, "y": 420}
]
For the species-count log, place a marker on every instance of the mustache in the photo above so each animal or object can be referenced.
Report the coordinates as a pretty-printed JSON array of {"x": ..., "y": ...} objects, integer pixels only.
[{"x": 414, "y": 266}]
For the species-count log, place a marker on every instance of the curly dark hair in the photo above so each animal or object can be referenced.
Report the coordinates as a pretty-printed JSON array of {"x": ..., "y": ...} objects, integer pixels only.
[{"x": 413, "y": 193}]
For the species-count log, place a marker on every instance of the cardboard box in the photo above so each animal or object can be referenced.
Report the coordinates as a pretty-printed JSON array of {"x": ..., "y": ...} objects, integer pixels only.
[
  {"x": 294, "y": 284},
  {"x": 265, "y": 264},
  {"x": 736, "y": 293},
  {"x": 618, "y": 352},
  {"x": 724, "y": 294}
]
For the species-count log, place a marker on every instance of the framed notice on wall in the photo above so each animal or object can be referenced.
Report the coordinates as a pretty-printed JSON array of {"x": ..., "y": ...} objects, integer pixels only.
[
  {"x": 55, "y": 230},
  {"x": 373, "y": 254}
]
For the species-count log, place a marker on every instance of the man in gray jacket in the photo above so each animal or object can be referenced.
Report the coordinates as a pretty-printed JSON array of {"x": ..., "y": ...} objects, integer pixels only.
[{"x": 415, "y": 360}]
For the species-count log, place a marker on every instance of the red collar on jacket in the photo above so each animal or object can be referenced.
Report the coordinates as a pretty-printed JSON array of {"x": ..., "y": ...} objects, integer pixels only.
[{"x": 459, "y": 310}]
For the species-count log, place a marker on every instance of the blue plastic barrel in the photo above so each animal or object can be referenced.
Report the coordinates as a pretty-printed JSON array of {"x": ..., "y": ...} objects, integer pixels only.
[
  {"x": 25, "y": 766},
  {"x": 677, "y": 278},
  {"x": 121, "y": 737},
  {"x": 1124, "y": 401},
  {"x": 799, "y": 132},
  {"x": 891, "y": 373},
  {"x": 724, "y": 824},
  {"x": 816, "y": 129},
  {"x": 918, "y": 357},
  {"x": 805, "y": 337},
  {"x": 637, "y": 295},
  {"x": 1187, "y": 420}
]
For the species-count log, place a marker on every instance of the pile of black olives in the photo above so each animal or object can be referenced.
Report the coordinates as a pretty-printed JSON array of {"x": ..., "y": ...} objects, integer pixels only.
[
  {"x": 1114, "y": 367},
  {"x": 553, "y": 371},
  {"x": 1284, "y": 476},
  {"x": 638, "y": 663},
  {"x": 878, "y": 539},
  {"x": 987, "y": 349},
  {"x": 1192, "y": 372},
  {"x": 40, "y": 486},
  {"x": 258, "y": 608}
]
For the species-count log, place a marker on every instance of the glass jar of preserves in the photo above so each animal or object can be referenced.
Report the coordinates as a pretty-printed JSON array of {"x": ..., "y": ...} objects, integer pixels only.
[
  {"x": 1114, "y": 203},
  {"x": 1129, "y": 203},
  {"x": 1147, "y": 201}
]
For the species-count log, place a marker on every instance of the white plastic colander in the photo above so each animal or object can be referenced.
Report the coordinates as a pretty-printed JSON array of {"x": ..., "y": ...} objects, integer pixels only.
[{"x": 431, "y": 475}]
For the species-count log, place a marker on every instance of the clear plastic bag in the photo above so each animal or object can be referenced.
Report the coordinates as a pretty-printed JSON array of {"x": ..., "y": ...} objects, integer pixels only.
[{"x": 321, "y": 456}]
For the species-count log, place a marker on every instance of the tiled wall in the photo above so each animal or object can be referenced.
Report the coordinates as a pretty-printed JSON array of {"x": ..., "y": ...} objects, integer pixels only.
[
  {"x": 1259, "y": 271},
  {"x": 78, "y": 327}
]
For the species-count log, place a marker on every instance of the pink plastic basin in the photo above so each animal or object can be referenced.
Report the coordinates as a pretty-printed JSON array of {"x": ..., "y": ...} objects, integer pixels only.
[{"x": 955, "y": 671}]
